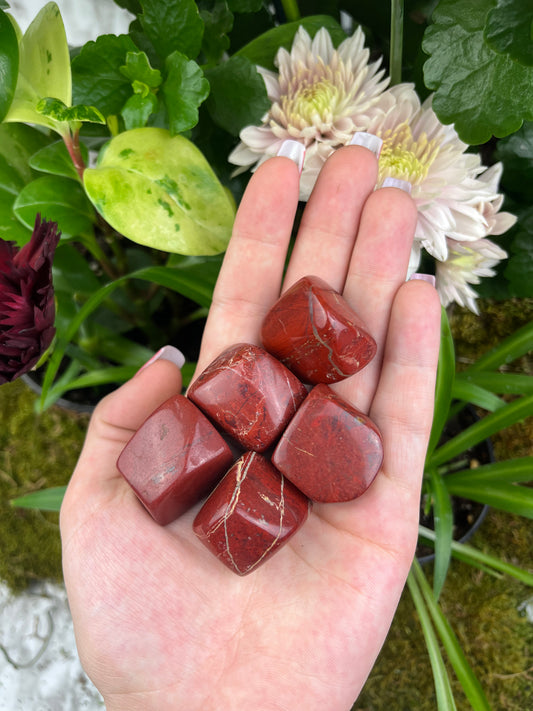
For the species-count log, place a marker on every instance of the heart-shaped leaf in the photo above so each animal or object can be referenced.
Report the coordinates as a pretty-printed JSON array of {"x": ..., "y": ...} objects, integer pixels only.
[{"x": 159, "y": 190}]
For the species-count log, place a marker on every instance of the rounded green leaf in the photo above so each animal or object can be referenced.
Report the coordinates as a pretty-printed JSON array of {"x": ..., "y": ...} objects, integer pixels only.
[
  {"x": 9, "y": 63},
  {"x": 159, "y": 190},
  {"x": 44, "y": 68}
]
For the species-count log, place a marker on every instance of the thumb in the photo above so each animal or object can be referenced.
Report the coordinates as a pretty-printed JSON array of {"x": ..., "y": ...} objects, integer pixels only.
[{"x": 114, "y": 421}]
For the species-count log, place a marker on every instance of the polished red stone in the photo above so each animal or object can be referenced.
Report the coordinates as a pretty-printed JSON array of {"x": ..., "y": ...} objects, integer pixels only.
[
  {"x": 174, "y": 459},
  {"x": 249, "y": 394},
  {"x": 251, "y": 514},
  {"x": 315, "y": 333},
  {"x": 331, "y": 451}
]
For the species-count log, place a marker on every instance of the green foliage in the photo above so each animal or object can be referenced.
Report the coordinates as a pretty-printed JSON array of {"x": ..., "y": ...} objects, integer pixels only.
[
  {"x": 482, "y": 91},
  {"x": 509, "y": 30},
  {"x": 173, "y": 25},
  {"x": 185, "y": 89},
  {"x": 9, "y": 62}
]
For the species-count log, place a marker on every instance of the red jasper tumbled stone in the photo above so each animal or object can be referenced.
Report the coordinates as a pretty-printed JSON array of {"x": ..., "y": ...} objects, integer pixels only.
[
  {"x": 252, "y": 512},
  {"x": 315, "y": 333},
  {"x": 331, "y": 451},
  {"x": 249, "y": 394},
  {"x": 174, "y": 459}
]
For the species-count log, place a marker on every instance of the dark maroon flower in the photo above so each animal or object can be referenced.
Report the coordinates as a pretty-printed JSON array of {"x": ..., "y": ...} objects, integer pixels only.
[{"x": 27, "y": 308}]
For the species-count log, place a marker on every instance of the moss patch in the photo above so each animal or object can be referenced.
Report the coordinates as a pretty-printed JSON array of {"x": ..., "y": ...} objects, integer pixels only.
[{"x": 36, "y": 451}]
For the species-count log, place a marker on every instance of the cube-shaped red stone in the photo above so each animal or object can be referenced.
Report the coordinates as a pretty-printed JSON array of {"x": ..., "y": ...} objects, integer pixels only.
[
  {"x": 174, "y": 459},
  {"x": 252, "y": 512},
  {"x": 315, "y": 333},
  {"x": 331, "y": 451},
  {"x": 249, "y": 394}
]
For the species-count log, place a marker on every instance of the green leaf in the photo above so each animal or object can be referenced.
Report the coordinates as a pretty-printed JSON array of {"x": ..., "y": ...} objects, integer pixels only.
[
  {"x": 476, "y": 395},
  {"x": 44, "y": 68},
  {"x": 482, "y": 429},
  {"x": 512, "y": 498},
  {"x": 443, "y": 689},
  {"x": 217, "y": 23},
  {"x": 245, "y": 5},
  {"x": 58, "y": 111},
  {"x": 45, "y": 500},
  {"x": 263, "y": 49},
  {"x": 55, "y": 159},
  {"x": 508, "y": 350},
  {"x": 481, "y": 91},
  {"x": 465, "y": 675},
  {"x": 97, "y": 76},
  {"x": 158, "y": 190},
  {"x": 72, "y": 273},
  {"x": 138, "y": 109},
  {"x": 9, "y": 63},
  {"x": 472, "y": 556},
  {"x": 508, "y": 471},
  {"x": 516, "y": 154},
  {"x": 509, "y": 29},
  {"x": 443, "y": 515},
  {"x": 519, "y": 269},
  {"x": 238, "y": 94},
  {"x": 444, "y": 382},
  {"x": 505, "y": 383},
  {"x": 172, "y": 25},
  {"x": 185, "y": 89},
  {"x": 59, "y": 199},
  {"x": 138, "y": 68}
]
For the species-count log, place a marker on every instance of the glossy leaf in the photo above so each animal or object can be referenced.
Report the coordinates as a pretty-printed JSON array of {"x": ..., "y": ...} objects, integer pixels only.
[
  {"x": 72, "y": 273},
  {"x": 58, "y": 199},
  {"x": 60, "y": 112},
  {"x": 45, "y": 500},
  {"x": 509, "y": 471},
  {"x": 484, "y": 428},
  {"x": 217, "y": 23},
  {"x": 44, "y": 68},
  {"x": 138, "y": 68},
  {"x": 476, "y": 395},
  {"x": 443, "y": 689},
  {"x": 508, "y": 29},
  {"x": 138, "y": 109},
  {"x": 238, "y": 95},
  {"x": 55, "y": 159},
  {"x": 160, "y": 191},
  {"x": 444, "y": 382},
  {"x": 443, "y": 515},
  {"x": 185, "y": 89},
  {"x": 172, "y": 25},
  {"x": 512, "y": 498},
  {"x": 9, "y": 63},
  {"x": 481, "y": 91},
  {"x": 263, "y": 49},
  {"x": 97, "y": 76},
  {"x": 466, "y": 676}
]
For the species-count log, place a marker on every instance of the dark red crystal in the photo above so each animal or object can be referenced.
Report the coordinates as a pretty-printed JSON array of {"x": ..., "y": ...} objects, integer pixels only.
[
  {"x": 315, "y": 333},
  {"x": 174, "y": 459},
  {"x": 331, "y": 451},
  {"x": 249, "y": 394},
  {"x": 252, "y": 512}
]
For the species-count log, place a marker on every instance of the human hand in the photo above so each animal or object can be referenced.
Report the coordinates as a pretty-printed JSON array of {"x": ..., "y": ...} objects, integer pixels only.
[{"x": 160, "y": 623}]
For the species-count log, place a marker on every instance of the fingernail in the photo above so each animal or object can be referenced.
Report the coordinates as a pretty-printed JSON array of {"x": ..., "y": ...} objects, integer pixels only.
[
  {"x": 423, "y": 277},
  {"x": 293, "y": 150},
  {"x": 397, "y": 183},
  {"x": 166, "y": 353},
  {"x": 367, "y": 140}
]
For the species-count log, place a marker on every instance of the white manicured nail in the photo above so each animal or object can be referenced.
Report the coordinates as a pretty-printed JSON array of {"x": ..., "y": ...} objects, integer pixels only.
[
  {"x": 293, "y": 150},
  {"x": 397, "y": 183},
  {"x": 367, "y": 140},
  {"x": 423, "y": 277},
  {"x": 166, "y": 353}
]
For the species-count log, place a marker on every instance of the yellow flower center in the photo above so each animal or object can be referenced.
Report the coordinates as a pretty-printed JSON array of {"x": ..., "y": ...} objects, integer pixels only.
[
  {"x": 404, "y": 158},
  {"x": 313, "y": 102}
]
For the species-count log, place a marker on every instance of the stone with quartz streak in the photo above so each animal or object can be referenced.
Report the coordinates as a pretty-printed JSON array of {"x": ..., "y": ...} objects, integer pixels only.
[
  {"x": 315, "y": 333},
  {"x": 249, "y": 394},
  {"x": 174, "y": 459},
  {"x": 331, "y": 451},
  {"x": 252, "y": 512}
]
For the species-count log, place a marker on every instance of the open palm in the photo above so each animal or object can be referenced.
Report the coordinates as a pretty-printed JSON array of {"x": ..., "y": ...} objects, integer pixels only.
[{"x": 162, "y": 624}]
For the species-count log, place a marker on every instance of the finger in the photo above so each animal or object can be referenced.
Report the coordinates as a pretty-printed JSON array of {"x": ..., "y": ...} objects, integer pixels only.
[
  {"x": 114, "y": 421},
  {"x": 377, "y": 269},
  {"x": 329, "y": 224},
  {"x": 250, "y": 277}
]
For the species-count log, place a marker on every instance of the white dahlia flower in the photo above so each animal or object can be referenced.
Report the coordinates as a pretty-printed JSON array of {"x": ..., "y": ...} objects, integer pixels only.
[{"x": 321, "y": 96}]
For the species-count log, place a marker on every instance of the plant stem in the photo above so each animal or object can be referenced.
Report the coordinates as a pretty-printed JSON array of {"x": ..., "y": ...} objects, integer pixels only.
[
  {"x": 72, "y": 142},
  {"x": 396, "y": 41},
  {"x": 291, "y": 9}
]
